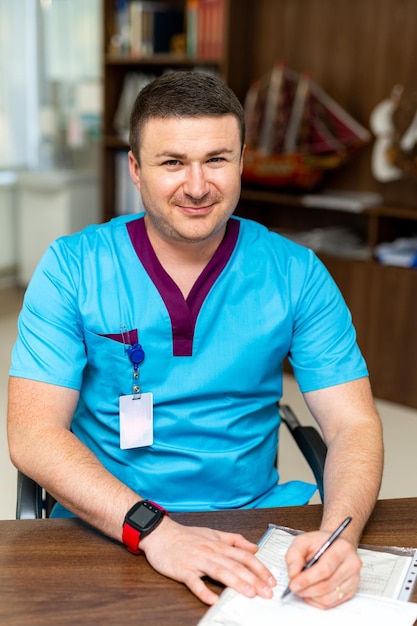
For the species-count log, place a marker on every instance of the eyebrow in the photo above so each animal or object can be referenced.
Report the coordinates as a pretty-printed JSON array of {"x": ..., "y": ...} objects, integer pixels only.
[{"x": 181, "y": 156}]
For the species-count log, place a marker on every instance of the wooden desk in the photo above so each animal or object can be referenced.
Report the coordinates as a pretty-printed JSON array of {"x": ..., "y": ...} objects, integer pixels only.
[{"x": 64, "y": 572}]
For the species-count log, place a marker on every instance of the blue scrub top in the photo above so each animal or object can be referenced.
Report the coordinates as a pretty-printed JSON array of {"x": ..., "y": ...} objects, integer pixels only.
[{"x": 213, "y": 361}]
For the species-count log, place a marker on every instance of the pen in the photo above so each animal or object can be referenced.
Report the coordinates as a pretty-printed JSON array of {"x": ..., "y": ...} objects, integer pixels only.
[{"x": 322, "y": 550}]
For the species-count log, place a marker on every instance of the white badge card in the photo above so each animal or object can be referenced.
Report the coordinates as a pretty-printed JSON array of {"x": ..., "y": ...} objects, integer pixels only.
[{"x": 136, "y": 420}]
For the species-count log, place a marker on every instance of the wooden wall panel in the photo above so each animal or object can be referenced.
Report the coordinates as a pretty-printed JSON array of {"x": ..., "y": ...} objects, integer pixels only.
[
  {"x": 383, "y": 303},
  {"x": 356, "y": 50},
  {"x": 392, "y": 334},
  {"x": 354, "y": 279}
]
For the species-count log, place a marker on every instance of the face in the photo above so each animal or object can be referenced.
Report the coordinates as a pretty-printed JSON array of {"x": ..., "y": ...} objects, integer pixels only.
[{"x": 189, "y": 177}]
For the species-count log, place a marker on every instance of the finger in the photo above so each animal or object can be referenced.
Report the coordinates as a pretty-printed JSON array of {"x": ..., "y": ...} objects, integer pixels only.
[
  {"x": 238, "y": 541},
  {"x": 341, "y": 593},
  {"x": 338, "y": 587},
  {"x": 335, "y": 566},
  {"x": 237, "y": 575},
  {"x": 200, "y": 589},
  {"x": 251, "y": 563},
  {"x": 234, "y": 547},
  {"x": 340, "y": 580}
]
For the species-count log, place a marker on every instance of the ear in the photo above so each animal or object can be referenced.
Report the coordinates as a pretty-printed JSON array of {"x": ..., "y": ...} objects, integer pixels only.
[
  {"x": 241, "y": 159},
  {"x": 134, "y": 170}
]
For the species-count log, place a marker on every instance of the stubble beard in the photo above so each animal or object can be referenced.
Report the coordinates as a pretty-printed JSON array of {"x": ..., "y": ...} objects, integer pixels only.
[{"x": 170, "y": 232}]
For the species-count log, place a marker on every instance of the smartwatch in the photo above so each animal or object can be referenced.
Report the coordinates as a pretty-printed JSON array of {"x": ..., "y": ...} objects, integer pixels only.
[{"x": 141, "y": 520}]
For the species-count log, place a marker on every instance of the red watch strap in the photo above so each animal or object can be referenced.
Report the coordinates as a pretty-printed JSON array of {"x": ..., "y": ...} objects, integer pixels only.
[{"x": 131, "y": 537}]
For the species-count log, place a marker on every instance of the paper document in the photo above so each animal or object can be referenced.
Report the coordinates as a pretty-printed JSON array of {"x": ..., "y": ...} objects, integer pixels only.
[{"x": 382, "y": 583}]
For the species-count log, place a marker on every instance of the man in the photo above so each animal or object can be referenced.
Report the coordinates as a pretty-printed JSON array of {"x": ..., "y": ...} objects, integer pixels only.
[{"x": 199, "y": 309}]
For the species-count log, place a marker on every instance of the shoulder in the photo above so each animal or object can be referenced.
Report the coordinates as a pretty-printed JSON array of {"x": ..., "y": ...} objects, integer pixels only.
[
  {"x": 294, "y": 268},
  {"x": 96, "y": 233},
  {"x": 78, "y": 257},
  {"x": 266, "y": 243},
  {"x": 93, "y": 244}
]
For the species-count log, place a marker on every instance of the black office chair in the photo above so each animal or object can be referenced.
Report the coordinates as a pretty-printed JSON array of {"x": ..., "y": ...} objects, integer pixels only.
[
  {"x": 310, "y": 443},
  {"x": 33, "y": 502}
]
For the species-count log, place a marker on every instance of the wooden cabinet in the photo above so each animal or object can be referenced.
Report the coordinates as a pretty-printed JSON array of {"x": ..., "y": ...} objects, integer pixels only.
[
  {"x": 356, "y": 50},
  {"x": 382, "y": 299},
  {"x": 383, "y": 303}
]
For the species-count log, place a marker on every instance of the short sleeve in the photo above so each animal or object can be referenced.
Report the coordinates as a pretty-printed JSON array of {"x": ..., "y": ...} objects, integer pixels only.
[
  {"x": 50, "y": 346},
  {"x": 324, "y": 350}
]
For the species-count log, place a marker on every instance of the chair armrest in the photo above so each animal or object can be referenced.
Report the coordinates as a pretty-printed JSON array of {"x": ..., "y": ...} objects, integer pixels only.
[
  {"x": 309, "y": 442},
  {"x": 29, "y": 498}
]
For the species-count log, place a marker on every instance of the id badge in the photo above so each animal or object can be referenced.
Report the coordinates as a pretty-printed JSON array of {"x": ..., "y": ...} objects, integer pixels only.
[{"x": 136, "y": 421}]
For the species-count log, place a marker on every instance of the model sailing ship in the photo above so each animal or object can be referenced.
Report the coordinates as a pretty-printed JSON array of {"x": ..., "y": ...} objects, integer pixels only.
[{"x": 295, "y": 131}]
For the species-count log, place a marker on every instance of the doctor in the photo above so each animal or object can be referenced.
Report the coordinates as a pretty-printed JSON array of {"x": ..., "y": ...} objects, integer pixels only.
[{"x": 149, "y": 362}]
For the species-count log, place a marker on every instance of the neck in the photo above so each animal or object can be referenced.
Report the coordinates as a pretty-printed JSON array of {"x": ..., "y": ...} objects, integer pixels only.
[{"x": 184, "y": 261}]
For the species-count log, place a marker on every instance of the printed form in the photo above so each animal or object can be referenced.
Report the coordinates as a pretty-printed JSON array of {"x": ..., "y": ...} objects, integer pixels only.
[{"x": 383, "y": 577}]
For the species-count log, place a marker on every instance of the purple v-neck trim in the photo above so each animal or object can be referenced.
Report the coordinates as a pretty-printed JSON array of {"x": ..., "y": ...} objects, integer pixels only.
[{"x": 183, "y": 312}]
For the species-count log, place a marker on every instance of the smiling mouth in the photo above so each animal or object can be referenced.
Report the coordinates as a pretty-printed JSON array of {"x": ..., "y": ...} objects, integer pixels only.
[
  {"x": 188, "y": 207},
  {"x": 197, "y": 209}
]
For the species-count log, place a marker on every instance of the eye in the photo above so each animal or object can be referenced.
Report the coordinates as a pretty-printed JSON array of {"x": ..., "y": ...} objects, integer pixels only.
[
  {"x": 216, "y": 160},
  {"x": 172, "y": 163}
]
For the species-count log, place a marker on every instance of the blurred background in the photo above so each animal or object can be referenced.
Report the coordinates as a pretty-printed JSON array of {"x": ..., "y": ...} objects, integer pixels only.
[{"x": 341, "y": 70}]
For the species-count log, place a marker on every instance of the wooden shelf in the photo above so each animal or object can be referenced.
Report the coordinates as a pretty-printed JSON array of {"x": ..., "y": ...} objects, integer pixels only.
[
  {"x": 376, "y": 224},
  {"x": 270, "y": 196},
  {"x": 404, "y": 213},
  {"x": 165, "y": 60}
]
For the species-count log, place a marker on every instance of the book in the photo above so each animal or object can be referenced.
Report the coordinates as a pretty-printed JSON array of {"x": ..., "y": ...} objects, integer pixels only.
[
  {"x": 210, "y": 28},
  {"x": 219, "y": 25},
  {"x": 192, "y": 27},
  {"x": 167, "y": 23},
  {"x": 121, "y": 38},
  {"x": 132, "y": 84},
  {"x": 135, "y": 28},
  {"x": 147, "y": 30},
  {"x": 151, "y": 27}
]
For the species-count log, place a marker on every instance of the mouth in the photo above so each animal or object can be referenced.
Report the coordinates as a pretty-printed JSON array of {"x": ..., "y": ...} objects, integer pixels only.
[
  {"x": 200, "y": 210},
  {"x": 190, "y": 209}
]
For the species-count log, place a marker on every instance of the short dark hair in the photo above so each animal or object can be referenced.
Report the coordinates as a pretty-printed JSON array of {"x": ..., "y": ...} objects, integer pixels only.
[{"x": 183, "y": 94}]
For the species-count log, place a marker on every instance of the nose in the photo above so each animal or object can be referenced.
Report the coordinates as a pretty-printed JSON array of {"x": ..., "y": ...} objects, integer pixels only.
[{"x": 196, "y": 185}]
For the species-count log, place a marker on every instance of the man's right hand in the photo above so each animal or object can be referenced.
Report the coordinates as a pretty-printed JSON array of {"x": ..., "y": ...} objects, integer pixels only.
[{"x": 187, "y": 554}]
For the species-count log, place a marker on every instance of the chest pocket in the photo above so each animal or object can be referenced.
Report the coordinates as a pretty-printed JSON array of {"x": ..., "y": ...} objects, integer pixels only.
[{"x": 109, "y": 371}]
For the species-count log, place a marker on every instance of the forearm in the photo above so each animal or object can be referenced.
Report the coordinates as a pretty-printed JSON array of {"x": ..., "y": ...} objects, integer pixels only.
[
  {"x": 42, "y": 446},
  {"x": 75, "y": 478},
  {"x": 352, "y": 479}
]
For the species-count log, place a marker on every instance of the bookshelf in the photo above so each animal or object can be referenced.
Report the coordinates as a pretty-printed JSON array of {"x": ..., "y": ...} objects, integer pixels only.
[
  {"x": 353, "y": 50},
  {"x": 210, "y": 45}
]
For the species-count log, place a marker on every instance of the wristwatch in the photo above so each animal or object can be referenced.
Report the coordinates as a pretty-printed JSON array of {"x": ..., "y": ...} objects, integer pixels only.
[{"x": 141, "y": 520}]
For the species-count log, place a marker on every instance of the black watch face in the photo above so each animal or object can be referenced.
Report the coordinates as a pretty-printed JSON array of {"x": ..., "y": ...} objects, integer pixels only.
[{"x": 144, "y": 516}]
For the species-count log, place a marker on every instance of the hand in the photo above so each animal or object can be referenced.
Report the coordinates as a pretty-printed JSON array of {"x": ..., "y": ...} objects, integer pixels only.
[
  {"x": 329, "y": 582},
  {"x": 188, "y": 553}
]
